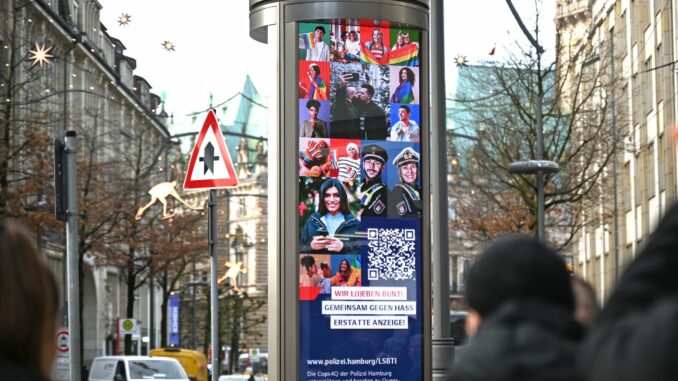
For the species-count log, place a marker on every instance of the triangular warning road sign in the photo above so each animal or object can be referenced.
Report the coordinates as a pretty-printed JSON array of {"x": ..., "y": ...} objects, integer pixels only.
[{"x": 210, "y": 165}]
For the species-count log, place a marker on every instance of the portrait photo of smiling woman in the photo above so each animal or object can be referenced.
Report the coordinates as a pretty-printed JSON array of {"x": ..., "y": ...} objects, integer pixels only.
[
  {"x": 404, "y": 200},
  {"x": 332, "y": 227}
]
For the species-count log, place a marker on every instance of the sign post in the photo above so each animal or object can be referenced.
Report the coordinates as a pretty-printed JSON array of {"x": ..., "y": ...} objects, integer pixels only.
[
  {"x": 350, "y": 184},
  {"x": 210, "y": 167},
  {"x": 65, "y": 192},
  {"x": 60, "y": 370}
]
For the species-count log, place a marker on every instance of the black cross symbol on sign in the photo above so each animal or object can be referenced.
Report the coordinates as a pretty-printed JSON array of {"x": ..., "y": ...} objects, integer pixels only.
[{"x": 209, "y": 158}]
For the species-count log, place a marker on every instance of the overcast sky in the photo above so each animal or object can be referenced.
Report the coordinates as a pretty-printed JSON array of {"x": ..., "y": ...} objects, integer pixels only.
[{"x": 214, "y": 51}]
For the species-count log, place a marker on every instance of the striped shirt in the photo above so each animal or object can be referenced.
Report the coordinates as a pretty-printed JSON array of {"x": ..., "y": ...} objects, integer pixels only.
[{"x": 349, "y": 169}]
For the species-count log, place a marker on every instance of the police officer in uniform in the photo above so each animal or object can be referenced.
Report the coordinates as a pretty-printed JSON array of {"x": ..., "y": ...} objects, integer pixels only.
[
  {"x": 405, "y": 197},
  {"x": 374, "y": 192}
]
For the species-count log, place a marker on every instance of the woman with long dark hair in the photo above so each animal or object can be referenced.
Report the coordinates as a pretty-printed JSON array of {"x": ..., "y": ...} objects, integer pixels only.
[
  {"x": 29, "y": 299},
  {"x": 331, "y": 228},
  {"x": 346, "y": 275},
  {"x": 404, "y": 93}
]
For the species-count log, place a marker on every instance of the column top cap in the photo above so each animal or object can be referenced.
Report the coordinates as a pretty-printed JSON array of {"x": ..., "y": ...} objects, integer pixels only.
[{"x": 256, "y": 3}]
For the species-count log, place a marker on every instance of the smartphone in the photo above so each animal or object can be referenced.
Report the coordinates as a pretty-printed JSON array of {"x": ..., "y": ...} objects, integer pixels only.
[{"x": 354, "y": 76}]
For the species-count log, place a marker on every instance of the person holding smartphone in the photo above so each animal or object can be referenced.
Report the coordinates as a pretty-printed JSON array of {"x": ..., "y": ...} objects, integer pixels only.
[
  {"x": 344, "y": 116},
  {"x": 329, "y": 229}
]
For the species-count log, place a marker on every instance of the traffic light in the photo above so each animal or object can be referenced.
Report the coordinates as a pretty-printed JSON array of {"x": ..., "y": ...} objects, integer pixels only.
[
  {"x": 61, "y": 173},
  {"x": 60, "y": 197}
]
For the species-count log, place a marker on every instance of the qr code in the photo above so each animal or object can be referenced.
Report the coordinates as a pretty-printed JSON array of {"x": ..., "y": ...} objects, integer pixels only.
[{"x": 390, "y": 254}]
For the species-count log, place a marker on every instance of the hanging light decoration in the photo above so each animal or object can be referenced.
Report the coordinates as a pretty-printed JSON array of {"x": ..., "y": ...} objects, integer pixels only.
[
  {"x": 124, "y": 19},
  {"x": 40, "y": 56},
  {"x": 168, "y": 45}
]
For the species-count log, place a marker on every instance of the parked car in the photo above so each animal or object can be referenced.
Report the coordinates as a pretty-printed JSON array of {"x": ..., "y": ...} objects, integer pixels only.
[
  {"x": 193, "y": 362},
  {"x": 129, "y": 368},
  {"x": 256, "y": 364}
]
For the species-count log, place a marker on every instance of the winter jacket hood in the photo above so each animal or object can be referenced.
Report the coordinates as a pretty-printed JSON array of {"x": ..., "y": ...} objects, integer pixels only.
[{"x": 522, "y": 341}]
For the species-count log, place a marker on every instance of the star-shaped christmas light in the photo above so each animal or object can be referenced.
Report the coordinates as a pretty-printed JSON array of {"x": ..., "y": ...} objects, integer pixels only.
[
  {"x": 168, "y": 45},
  {"x": 460, "y": 60},
  {"x": 124, "y": 19},
  {"x": 40, "y": 56}
]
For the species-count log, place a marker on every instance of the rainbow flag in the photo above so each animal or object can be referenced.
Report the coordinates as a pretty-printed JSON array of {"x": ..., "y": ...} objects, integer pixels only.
[
  {"x": 357, "y": 270},
  {"x": 333, "y": 160},
  {"x": 320, "y": 92},
  {"x": 403, "y": 55},
  {"x": 307, "y": 40},
  {"x": 368, "y": 57},
  {"x": 355, "y": 263}
]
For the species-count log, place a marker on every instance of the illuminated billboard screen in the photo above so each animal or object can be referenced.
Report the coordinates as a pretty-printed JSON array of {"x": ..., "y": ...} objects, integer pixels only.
[{"x": 360, "y": 201}]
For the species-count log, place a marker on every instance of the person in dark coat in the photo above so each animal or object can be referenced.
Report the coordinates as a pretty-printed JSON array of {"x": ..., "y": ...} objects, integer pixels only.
[
  {"x": 372, "y": 118},
  {"x": 29, "y": 299},
  {"x": 636, "y": 335},
  {"x": 344, "y": 117},
  {"x": 374, "y": 193},
  {"x": 521, "y": 318}
]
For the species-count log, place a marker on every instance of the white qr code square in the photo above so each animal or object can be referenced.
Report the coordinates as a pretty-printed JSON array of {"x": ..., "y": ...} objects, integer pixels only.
[{"x": 391, "y": 254}]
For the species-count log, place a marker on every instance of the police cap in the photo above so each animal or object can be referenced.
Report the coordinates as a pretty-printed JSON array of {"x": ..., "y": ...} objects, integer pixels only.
[
  {"x": 407, "y": 155},
  {"x": 373, "y": 151}
]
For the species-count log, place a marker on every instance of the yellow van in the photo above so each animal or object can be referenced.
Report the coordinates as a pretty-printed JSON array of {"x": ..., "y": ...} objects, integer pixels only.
[{"x": 193, "y": 362}]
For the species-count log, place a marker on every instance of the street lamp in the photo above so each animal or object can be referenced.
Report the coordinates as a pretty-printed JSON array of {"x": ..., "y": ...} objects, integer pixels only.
[{"x": 540, "y": 166}]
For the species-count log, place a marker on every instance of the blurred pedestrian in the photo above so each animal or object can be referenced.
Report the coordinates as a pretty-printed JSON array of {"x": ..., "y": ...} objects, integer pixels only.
[
  {"x": 521, "y": 315},
  {"x": 586, "y": 304},
  {"x": 635, "y": 336},
  {"x": 29, "y": 300}
]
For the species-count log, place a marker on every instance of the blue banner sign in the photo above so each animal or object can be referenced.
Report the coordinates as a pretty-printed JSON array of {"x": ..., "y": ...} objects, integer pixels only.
[{"x": 174, "y": 320}]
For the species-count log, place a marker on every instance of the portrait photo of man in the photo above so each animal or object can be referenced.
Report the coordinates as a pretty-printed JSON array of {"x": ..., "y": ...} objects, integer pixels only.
[
  {"x": 405, "y": 129},
  {"x": 314, "y": 42},
  {"x": 313, "y": 125},
  {"x": 344, "y": 115},
  {"x": 373, "y": 191},
  {"x": 372, "y": 117}
]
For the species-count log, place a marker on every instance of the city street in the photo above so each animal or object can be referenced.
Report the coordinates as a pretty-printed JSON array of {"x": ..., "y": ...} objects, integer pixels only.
[{"x": 168, "y": 171}]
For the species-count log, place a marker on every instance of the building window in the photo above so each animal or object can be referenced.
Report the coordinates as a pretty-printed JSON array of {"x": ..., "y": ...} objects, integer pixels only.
[
  {"x": 637, "y": 180},
  {"x": 648, "y": 169},
  {"x": 626, "y": 182},
  {"x": 661, "y": 165}
]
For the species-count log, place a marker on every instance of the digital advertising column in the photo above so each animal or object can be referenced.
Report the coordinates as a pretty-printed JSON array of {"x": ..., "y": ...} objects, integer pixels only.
[{"x": 360, "y": 203}]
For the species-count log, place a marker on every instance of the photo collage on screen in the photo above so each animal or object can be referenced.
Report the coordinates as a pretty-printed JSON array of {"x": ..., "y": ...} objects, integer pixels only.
[
  {"x": 360, "y": 188},
  {"x": 359, "y": 134}
]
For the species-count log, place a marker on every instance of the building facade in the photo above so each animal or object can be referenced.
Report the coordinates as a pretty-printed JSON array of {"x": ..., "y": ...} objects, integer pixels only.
[
  {"x": 86, "y": 84},
  {"x": 633, "y": 43}
]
